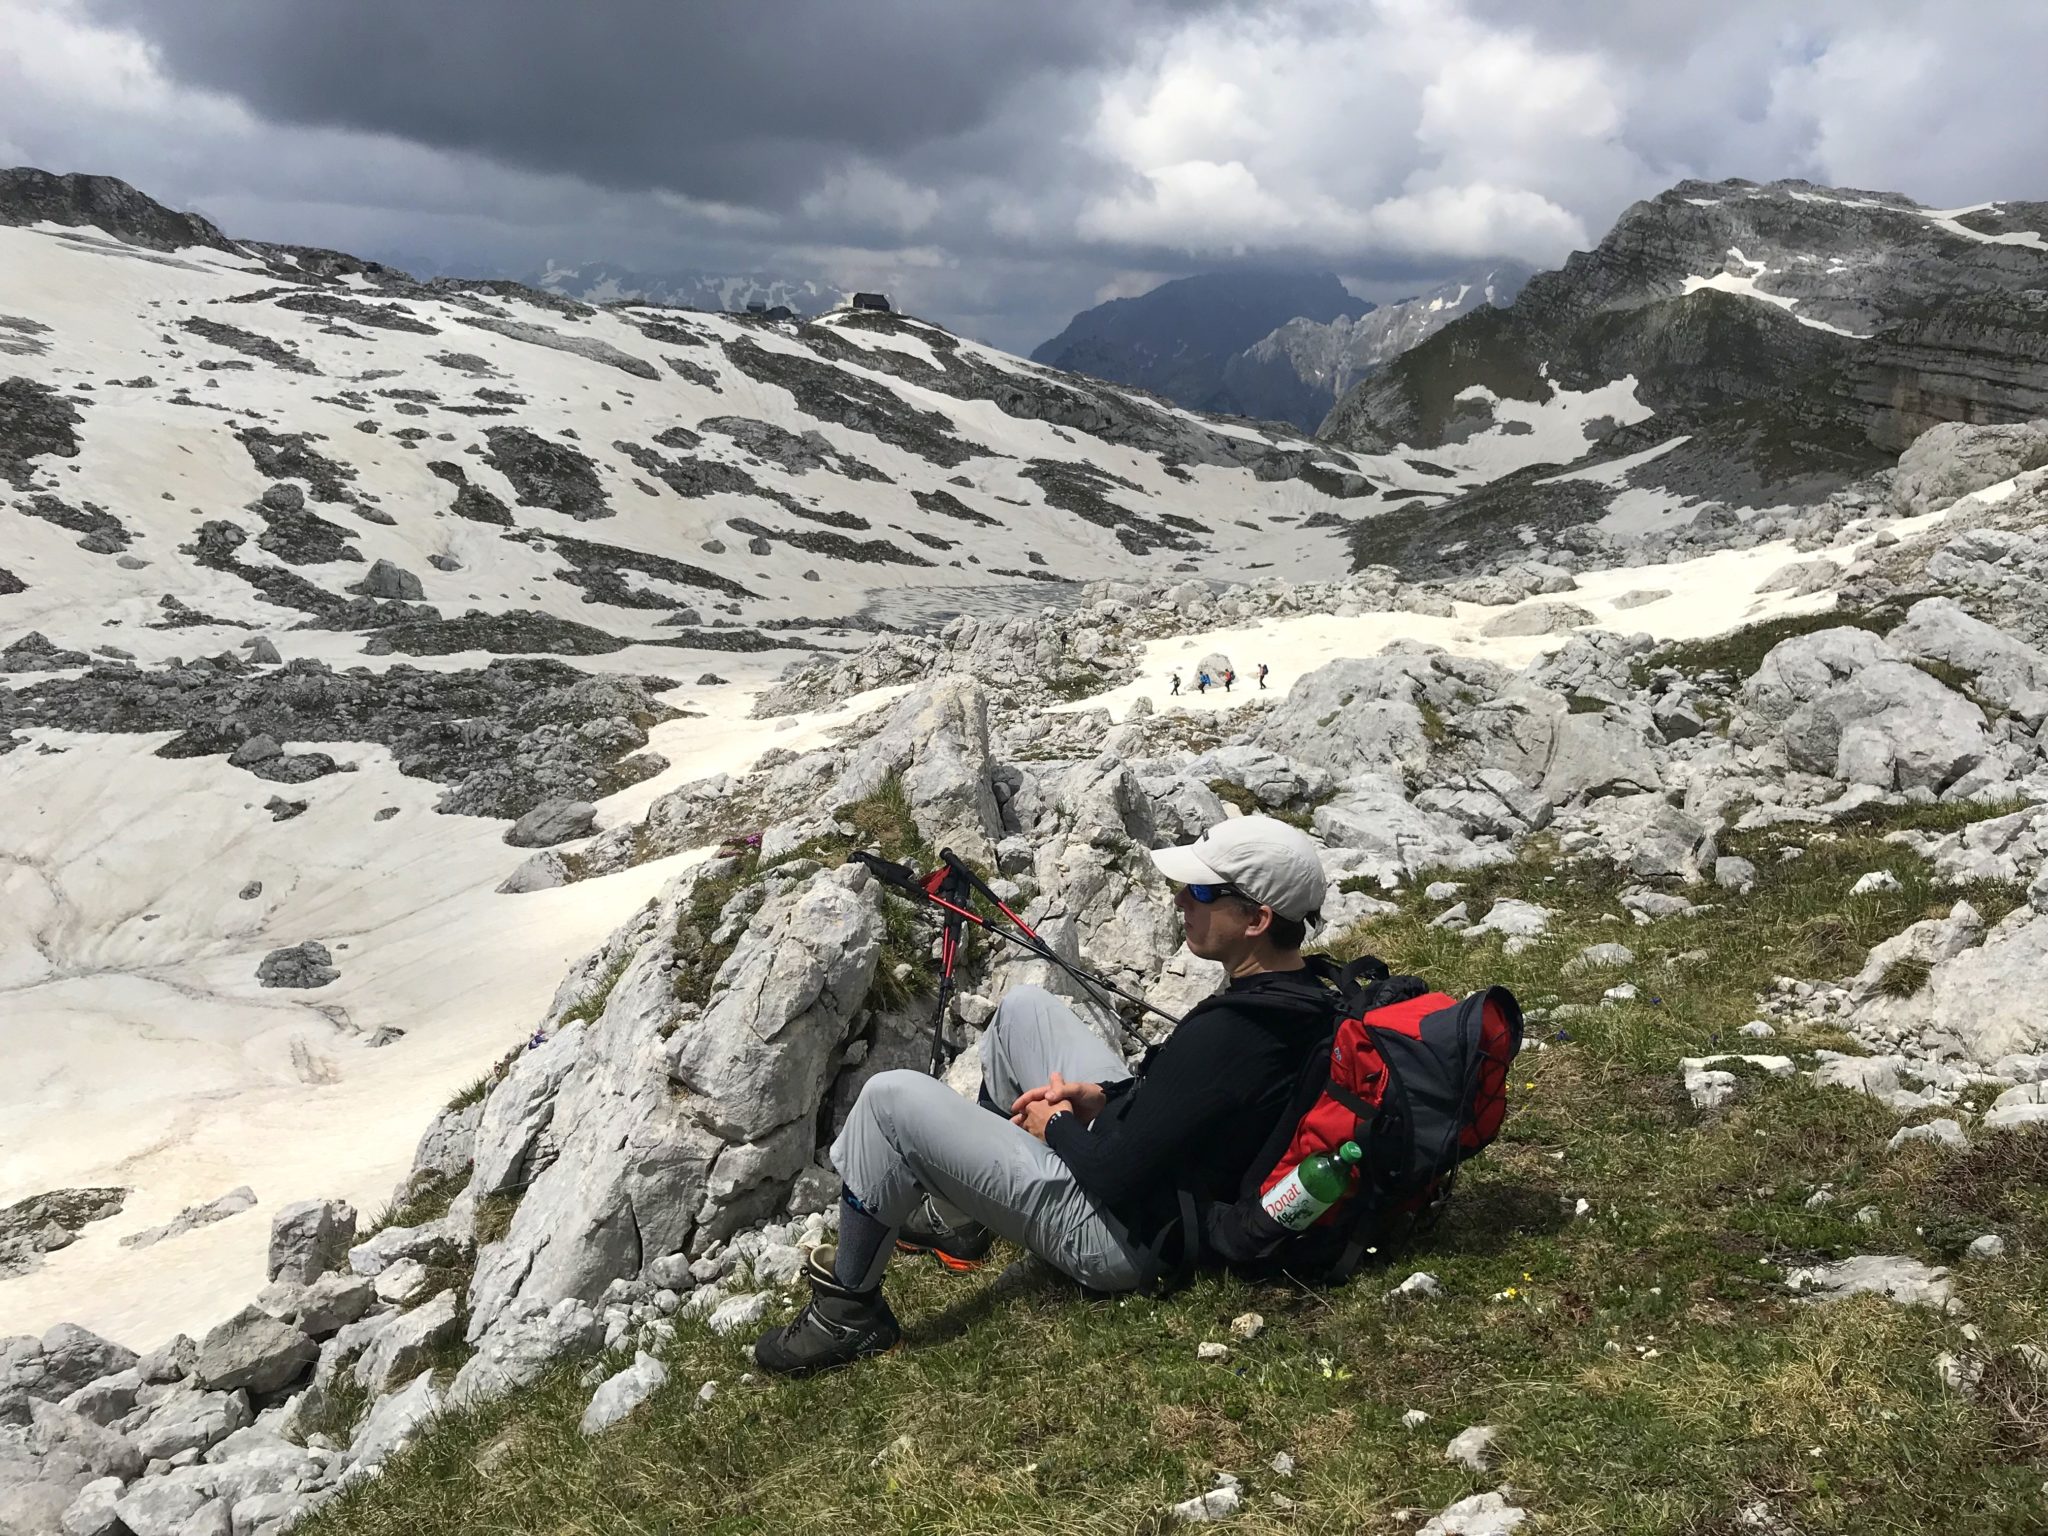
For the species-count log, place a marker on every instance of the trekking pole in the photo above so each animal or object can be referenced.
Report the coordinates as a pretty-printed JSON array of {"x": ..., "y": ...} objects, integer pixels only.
[
  {"x": 943, "y": 885},
  {"x": 901, "y": 878}
]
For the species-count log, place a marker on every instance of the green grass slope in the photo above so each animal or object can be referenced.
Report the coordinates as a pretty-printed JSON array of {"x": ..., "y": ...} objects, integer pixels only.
[{"x": 1644, "y": 1363}]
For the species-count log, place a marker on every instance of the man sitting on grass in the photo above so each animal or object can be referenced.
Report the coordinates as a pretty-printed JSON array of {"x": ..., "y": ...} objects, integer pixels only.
[{"x": 1082, "y": 1162}]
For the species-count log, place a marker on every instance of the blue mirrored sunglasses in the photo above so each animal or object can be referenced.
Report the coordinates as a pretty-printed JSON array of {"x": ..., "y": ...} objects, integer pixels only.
[{"x": 1208, "y": 893}]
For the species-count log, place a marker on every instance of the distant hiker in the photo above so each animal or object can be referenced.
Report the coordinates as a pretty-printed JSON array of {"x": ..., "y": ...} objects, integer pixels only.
[
  {"x": 1229, "y": 677},
  {"x": 1262, "y": 674},
  {"x": 1176, "y": 685},
  {"x": 1069, "y": 1153},
  {"x": 1201, "y": 682}
]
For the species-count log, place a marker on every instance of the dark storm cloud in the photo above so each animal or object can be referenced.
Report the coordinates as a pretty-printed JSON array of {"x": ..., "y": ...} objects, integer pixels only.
[{"x": 735, "y": 103}]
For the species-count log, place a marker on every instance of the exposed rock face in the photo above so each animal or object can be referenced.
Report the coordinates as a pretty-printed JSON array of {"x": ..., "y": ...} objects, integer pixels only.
[
  {"x": 666, "y": 1127},
  {"x": 30, "y": 196},
  {"x": 1951, "y": 460},
  {"x": 1890, "y": 725}
]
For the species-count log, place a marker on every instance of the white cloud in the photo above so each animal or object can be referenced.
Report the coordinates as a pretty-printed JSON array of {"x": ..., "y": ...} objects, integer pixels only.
[
  {"x": 1355, "y": 131},
  {"x": 1390, "y": 139},
  {"x": 868, "y": 196}
]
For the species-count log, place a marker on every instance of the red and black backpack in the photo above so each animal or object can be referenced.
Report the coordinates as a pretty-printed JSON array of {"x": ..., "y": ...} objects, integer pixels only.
[{"x": 1419, "y": 1080}]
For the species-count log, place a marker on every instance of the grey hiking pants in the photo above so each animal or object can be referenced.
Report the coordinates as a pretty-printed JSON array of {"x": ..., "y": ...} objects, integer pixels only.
[{"x": 910, "y": 1133}]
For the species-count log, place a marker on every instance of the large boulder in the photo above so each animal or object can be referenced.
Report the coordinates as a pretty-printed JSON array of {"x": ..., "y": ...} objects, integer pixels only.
[
  {"x": 1273, "y": 779},
  {"x": 252, "y": 1349},
  {"x": 1646, "y": 835},
  {"x": 394, "y": 1423},
  {"x": 1488, "y": 803},
  {"x": 2008, "y": 672},
  {"x": 560, "y": 820},
  {"x": 1354, "y": 715},
  {"x": 192, "y": 1421},
  {"x": 1979, "y": 1000},
  {"x": 309, "y": 1238},
  {"x": 1891, "y": 726},
  {"x": 1801, "y": 669},
  {"x": 37, "y": 1489},
  {"x": 304, "y": 965},
  {"x": 1537, "y": 619},
  {"x": 390, "y": 581},
  {"x": 1595, "y": 755},
  {"x": 1392, "y": 838},
  {"x": 1954, "y": 459}
]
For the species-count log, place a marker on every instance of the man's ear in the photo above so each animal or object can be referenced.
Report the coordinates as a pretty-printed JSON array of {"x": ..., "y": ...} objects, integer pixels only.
[{"x": 1260, "y": 925}]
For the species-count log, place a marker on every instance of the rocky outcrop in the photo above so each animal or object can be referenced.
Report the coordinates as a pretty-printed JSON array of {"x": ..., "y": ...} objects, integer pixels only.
[
  {"x": 1951, "y": 460},
  {"x": 30, "y": 196},
  {"x": 661, "y": 1126}
]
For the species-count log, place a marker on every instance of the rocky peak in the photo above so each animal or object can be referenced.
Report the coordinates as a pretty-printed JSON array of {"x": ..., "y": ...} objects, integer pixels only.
[{"x": 32, "y": 196}]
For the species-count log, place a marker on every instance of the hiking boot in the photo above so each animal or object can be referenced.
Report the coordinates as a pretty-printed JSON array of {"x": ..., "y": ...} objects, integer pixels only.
[
  {"x": 836, "y": 1328},
  {"x": 961, "y": 1246}
]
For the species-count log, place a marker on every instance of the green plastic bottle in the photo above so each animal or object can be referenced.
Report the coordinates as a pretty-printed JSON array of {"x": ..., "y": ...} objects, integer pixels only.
[{"x": 1312, "y": 1186}]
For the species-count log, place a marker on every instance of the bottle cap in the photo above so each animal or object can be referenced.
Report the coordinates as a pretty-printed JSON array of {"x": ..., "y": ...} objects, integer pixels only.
[{"x": 1350, "y": 1152}]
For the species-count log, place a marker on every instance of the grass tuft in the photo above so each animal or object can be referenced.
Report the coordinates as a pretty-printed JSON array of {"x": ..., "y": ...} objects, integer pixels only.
[{"x": 1905, "y": 976}]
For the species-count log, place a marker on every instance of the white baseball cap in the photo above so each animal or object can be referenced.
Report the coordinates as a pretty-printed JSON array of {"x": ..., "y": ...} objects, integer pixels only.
[{"x": 1271, "y": 862}]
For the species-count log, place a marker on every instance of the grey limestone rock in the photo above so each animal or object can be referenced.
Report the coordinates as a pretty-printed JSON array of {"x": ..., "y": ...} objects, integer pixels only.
[
  {"x": 394, "y": 1422},
  {"x": 1349, "y": 716},
  {"x": 437, "y": 1244},
  {"x": 2006, "y": 671},
  {"x": 619, "y": 1395},
  {"x": 551, "y": 822},
  {"x": 1891, "y": 726},
  {"x": 1538, "y": 619},
  {"x": 324, "y": 1307},
  {"x": 531, "y": 1337},
  {"x": 95, "y": 1511},
  {"x": 1903, "y": 1280},
  {"x": 448, "y": 1145},
  {"x": 1954, "y": 459},
  {"x": 1734, "y": 874},
  {"x": 171, "y": 1362},
  {"x": 309, "y": 1238},
  {"x": 542, "y": 871},
  {"x": 253, "y": 1350},
  {"x": 107, "y": 1399},
  {"x": 405, "y": 1347},
  {"x": 192, "y": 1420},
  {"x": 106, "y": 1451}
]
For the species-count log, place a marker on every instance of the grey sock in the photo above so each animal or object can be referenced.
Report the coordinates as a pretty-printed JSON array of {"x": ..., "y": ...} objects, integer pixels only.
[{"x": 866, "y": 1244}]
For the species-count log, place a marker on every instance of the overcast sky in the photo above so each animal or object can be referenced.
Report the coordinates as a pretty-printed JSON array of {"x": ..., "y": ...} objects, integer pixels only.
[{"x": 998, "y": 164}]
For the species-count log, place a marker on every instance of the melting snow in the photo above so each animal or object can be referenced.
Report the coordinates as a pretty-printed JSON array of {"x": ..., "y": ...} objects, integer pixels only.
[{"x": 1950, "y": 219}]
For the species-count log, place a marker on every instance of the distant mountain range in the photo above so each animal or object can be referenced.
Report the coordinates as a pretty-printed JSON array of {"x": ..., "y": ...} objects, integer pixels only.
[
  {"x": 1277, "y": 346},
  {"x": 1301, "y": 369},
  {"x": 1179, "y": 339}
]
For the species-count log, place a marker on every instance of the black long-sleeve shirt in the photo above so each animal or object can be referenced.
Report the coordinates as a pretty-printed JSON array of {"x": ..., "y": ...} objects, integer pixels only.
[{"x": 1202, "y": 1104}]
